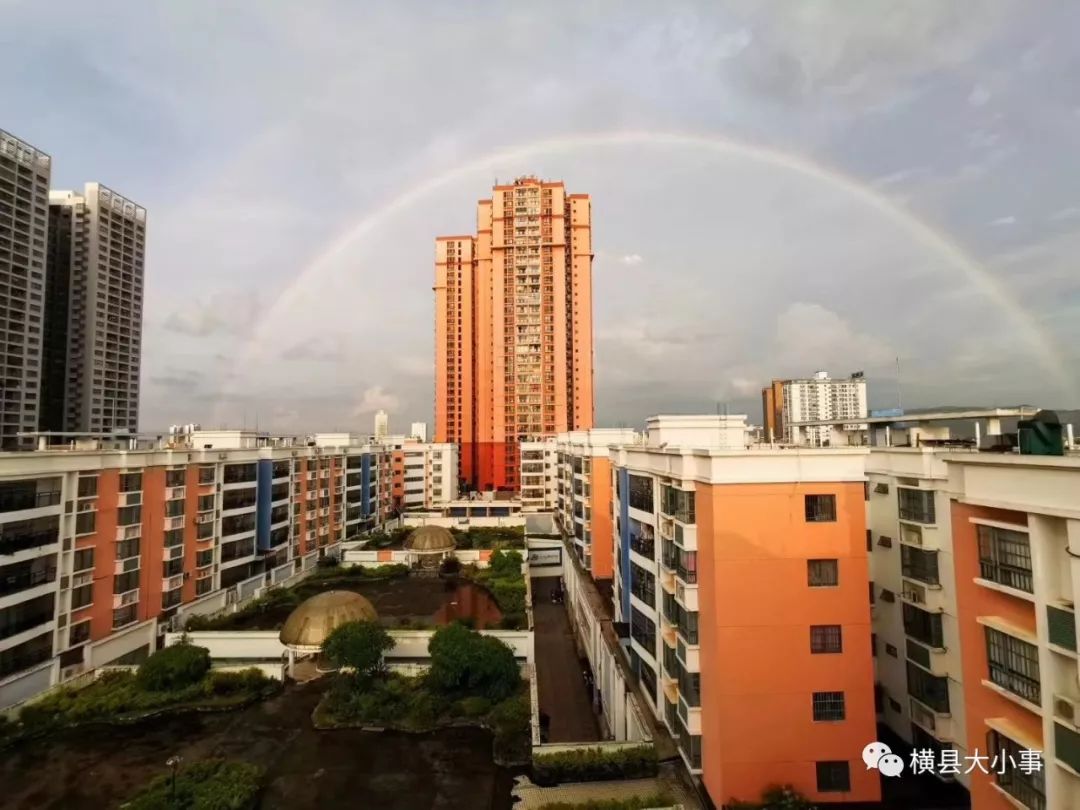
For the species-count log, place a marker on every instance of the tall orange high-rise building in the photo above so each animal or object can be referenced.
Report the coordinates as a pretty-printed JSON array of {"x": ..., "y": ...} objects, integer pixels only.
[{"x": 513, "y": 328}]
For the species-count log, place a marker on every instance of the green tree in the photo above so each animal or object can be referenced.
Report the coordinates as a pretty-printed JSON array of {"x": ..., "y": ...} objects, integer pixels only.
[
  {"x": 505, "y": 564},
  {"x": 464, "y": 662},
  {"x": 359, "y": 646},
  {"x": 174, "y": 667}
]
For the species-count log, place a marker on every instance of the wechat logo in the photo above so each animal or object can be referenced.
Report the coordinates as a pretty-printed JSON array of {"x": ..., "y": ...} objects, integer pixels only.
[{"x": 879, "y": 755}]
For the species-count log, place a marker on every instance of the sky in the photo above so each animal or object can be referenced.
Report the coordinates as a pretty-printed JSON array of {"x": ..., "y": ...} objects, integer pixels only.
[{"x": 777, "y": 188}]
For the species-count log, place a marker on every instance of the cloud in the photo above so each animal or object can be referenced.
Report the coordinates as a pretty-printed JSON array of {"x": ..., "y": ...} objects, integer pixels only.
[
  {"x": 631, "y": 259},
  {"x": 1065, "y": 214},
  {"x": 1002, "y": 221},
  {"x": 375, "y": 398},
  {"x": 810, "y": 337},
  {"x": 978, "y": 96},
  {"x": 228, "y": 313},
  {"x": 318, "y": 349}
]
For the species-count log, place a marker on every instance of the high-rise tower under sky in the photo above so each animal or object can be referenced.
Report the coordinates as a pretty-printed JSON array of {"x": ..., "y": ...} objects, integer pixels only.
[{"x": 513, "y": 328}]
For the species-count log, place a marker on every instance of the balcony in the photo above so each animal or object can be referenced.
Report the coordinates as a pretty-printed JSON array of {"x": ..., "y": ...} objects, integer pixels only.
[
  {"x": 12, "y": 542},
  {"x": 19, "y": 500},
  {"x": 124, "y": 599},
  {"x": 173, "y": 493},
  {"x": 927, "y": 597},
  {"x": 129, "y": 498},
  {"x": 205, "y": 517},
  {"x": 172, "y": 583},
  {"x": 128, "y": 532},
  {"x": 174, "y": 522}
]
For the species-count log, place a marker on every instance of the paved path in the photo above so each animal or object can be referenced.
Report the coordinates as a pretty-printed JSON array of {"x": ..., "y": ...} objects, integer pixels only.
[
  {"x": 531, "y": 797},
  {"x": 563, "y": 694}
]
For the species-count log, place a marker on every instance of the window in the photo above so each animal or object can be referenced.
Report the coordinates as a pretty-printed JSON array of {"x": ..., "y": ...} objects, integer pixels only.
[
  {"x": 916, "y": 504},
  {"x": 833, "y": 777},
  {"x": 1005, "y": 557},
  {"x": 78, "y": 633},
  {"x": 828, "y": 706},
  {"x": 88, "y": 486},
  {"x": 1014, "y": 665},
  {"x": 127, "y": 548},
  {"x": 924, "y": 626},
  {"x": 895, "y": 706},
  {"x": 122, "y": 583},
  {"x": 174, "y": 508},
  {"x": 871, "y": 592},
  {"x": 1028, "y": 788},
  {"x": 128, "y": 515},
  {"x": 170, "y": 568},
  {"x": 890, "y": 649},
  {"x": 642, "y": 538},
  {"x": 641, "y": 493},
  {"x": 825, "y": 638},
  {"x": 930, "y": 690},
  {"x": 822, "y": 573},
  {"x": 643, "y": 630},
  {"x": 869, "y": 540},
  {"x": 85, "y": 522},
  {"x": 83, "y": 560},
  {"x": 678, "y": 503},
  {"x": 820, "y": 508},
  {"x": 918, "y": 564},
  {"x": 174, "y": 478},
  {"x": 81, "y": 597},
  {"x": 174, "y": 537},
  {"x": 131, "y": 482},
  {"x": 643, "y": 585},
  {"x": 125, "y": 615}
]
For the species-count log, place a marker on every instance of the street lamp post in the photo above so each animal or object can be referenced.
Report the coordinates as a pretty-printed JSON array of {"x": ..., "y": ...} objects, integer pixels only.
[{"x": 174, "y": 763}]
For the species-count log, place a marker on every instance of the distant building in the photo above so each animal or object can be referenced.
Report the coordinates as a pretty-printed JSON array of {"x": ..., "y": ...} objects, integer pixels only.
[
  {"x": 24, "y": 223},
  {"x": 513, "y": 328},
  {"x": 382, "y": 425},
  {"x": 772, "y": 411},
  {"x": 418, "y": 431},
  {"x": 93, "y": 312},
  {"x": 538, "y": 474},
  {"x": 817, "y": 398}
]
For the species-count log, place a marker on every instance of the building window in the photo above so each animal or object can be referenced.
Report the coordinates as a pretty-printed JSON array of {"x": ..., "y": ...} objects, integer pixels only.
[
  {"x": 131, "y": 482},
  {"x": 890, "y": 649},
  {"x": 825, "y": 638},
  {"x": 828, "y": 706},
  {"x": 1005, "y": 557},
  {"x": 923, "y": 626},
  {"x": 128, "y": 515},
  {"x": 822, "y": 573},
  {"x": 82, "y": 596},
  {"x": 820, "y": 508},
  {"x": 1014, "y": 665},
  {"x": 1027, "y": 788},
  {"x": 916, "y": 504},
  {"x": 833, "y": 777},
  {"x": 82, "y": 560},
  {"x": 643, "y": 630},
  {"x": 930, "y": 690},
  {"x": 918, "y": 564},
  {"x": 88, "y": 486},
  {"x": 641, "y": 493},
  {"x": 85, "y": 522},
  {"x": 78, "y": 633}
]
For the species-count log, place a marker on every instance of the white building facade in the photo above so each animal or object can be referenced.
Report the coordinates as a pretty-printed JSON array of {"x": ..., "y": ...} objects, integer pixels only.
[{"x": 822, "y": 398}]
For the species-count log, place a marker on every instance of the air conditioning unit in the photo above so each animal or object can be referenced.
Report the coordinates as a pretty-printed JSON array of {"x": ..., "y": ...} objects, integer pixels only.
[{"x": 1067, "y": 709}]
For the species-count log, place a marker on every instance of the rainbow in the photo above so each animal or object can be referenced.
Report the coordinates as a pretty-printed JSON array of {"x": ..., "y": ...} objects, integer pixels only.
[{"x": 1028, "y": 330}]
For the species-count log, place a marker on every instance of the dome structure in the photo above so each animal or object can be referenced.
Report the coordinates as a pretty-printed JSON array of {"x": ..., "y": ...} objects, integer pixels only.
[
  {"x": 314, "y": 619},
  {"x": 430, "y": 540}
]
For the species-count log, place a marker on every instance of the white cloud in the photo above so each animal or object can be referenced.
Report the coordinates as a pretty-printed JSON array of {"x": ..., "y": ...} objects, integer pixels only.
[
  {"x": 1072, "y": 212},
  {"x": 373, "y": 399},
  {"x": 630, "y": 259},
  {"x": 1003, "y": 221},
  {"x": 810, "y": 337},
  {"x": 978, "y": 96}
]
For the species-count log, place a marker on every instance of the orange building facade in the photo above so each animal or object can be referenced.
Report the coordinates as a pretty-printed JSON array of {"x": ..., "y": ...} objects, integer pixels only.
[
  {"x": 743, "y": 579},
  {"x": 513, "y": 328}
]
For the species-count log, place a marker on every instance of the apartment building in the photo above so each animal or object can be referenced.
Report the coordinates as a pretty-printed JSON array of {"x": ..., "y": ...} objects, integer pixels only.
[
  {"x": 538, "y": 474},
  {"x": 423, "y": 474},
  {"x": 750, "y": 565},
  {"x": 94, "y": 311},
  {"x": 24, "y": 222},
  {"x": 583, "y": 494},
  {"x": 819, "y": 398},
  {"x": 513, "y": 328},
  {"x": 100, "y": 547},
  {"x": 1016, "y": 547}
]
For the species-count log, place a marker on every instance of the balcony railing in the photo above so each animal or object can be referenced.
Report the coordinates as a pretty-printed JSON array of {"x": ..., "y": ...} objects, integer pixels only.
[
  {"x": 14, "y": 501},
  {"x": 10, "y": 544},
  {"x": 24, "y": 580},
  {"x": 24, "y": 623}
]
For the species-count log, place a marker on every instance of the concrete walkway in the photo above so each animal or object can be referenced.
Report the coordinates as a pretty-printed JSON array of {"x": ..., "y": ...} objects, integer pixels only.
[{"x": 564, "y": 697}]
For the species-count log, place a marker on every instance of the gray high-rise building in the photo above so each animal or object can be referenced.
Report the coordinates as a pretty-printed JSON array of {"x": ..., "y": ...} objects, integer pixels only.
[
  {"x": 24, "y": 221},
  {"x": 93, "y": 340}
]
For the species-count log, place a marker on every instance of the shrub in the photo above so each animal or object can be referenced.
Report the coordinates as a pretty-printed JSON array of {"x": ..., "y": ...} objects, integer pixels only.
[
  {"x": 594, "y": 764},
  {"x": 510, "y": 724},
  {"x": 633, "y": 803},
  {"x": 174, "y": 667},
  {"x": 776, "y": 797},
  {"x": 359, "y": 646},
  {"x": 212, "y": 784},
  {"x": 249, "y": 680},
  {"x": 450, "y": 566},
  {"x": 474, "y": 706},
  {"x": 466, "y": 662}
]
